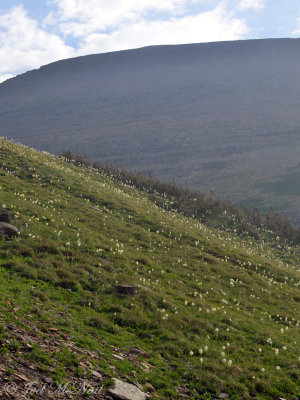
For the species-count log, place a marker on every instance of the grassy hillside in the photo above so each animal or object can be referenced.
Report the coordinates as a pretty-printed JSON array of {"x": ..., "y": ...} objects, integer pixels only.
[{"x": 213, "y": 313}]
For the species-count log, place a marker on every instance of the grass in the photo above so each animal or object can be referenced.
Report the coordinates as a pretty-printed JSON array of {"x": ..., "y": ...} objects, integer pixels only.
[{"x": 205, "y": 296}]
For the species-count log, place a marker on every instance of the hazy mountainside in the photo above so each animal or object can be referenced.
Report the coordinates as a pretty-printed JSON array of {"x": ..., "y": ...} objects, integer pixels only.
[
  {"x": 213, "y": 312},
  {"x": 218, "y": 115}
]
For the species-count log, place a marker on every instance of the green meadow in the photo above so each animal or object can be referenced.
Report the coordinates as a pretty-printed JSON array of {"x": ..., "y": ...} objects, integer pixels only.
[{"x": 214, "y": 312}]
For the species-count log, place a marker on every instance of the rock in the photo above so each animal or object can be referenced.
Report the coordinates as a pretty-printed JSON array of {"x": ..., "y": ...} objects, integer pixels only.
[
  {"x": 150, "y": 388},
  {"x": 118, "y": 357},
  {"x": 22, "y": 377},
  {"x": 8, "y": 230},
  {"x": 126, "y": 391},
  {"x": 4, "y": 216},
  {"x": 145, "y": 367},
  {"x": 223, "y": 396},
  {"x": 54, "y": 330},
  {"x": 96, "y": 374},
  {"x": 138, "y": 385},
  {"x": 126, "y": 289},
  {"x": 135, "y": 350}
]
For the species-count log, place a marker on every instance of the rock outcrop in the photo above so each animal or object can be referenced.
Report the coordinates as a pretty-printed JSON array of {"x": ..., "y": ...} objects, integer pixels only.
[
  {"x": 6, "y": 229},
  {"x": 126, "y": 391}
]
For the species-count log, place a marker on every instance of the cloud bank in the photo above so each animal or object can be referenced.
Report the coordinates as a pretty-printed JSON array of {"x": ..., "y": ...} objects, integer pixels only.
[{"x": 215, "y": 25}]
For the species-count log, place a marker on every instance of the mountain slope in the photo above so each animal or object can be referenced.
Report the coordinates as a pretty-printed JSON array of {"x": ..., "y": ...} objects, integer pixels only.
[
  {"x": 216, "y": 115},
  {"x": 204, "y": 296}
]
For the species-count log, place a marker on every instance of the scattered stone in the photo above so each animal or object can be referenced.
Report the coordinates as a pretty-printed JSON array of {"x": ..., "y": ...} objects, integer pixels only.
[
  {"x": 54, "y": 330},
  {"x": 126, "y": 391},
  {"x": 138, "y": 385},
  {"x": 22, "y": 377},
  {"x": 223, "y": 396},
  {"x": 136, "y": 350},
  {"x": 8, "y": 230},
  {"x": 145, "y": 367},
  {"x": 118, "y": 357},
  {"x": 97, "y": 374},
  {"x": 126, "y": 289},
  {"x": 4, "y": 216},
  {"x": 95, "y": 208},
  {"x": 150, "y": 388}
]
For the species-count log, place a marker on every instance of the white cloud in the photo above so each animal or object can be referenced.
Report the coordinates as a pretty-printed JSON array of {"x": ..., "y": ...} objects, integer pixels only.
[
  {"x": 255, "y": 5},
  {"x": 81, "y": 17},
  {"x": 215, "y": 25},
  {"x": 23, "y": 45}
]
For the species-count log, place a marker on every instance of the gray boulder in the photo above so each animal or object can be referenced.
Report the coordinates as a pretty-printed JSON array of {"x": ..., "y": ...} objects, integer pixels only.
[
  {"x": 7, "y": 230},
  {"x": 126, "y": 391}
]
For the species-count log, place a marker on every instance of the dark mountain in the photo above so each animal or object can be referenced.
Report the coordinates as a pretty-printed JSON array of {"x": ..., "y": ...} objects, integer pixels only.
[{"x": 217, "y": 115}]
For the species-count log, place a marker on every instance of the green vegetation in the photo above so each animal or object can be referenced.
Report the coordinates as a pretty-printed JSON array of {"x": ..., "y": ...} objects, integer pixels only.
[
  {"x": 206, "y": 208},
  {"x": 214, "y": 311}
]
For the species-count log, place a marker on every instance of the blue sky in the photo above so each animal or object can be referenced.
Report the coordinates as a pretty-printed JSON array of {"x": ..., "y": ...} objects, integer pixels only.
[{"x": 37, "y": 32}]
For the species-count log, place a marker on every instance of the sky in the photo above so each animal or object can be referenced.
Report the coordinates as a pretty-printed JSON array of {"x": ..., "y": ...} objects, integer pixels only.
[{"x": 38, "y": 32}]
